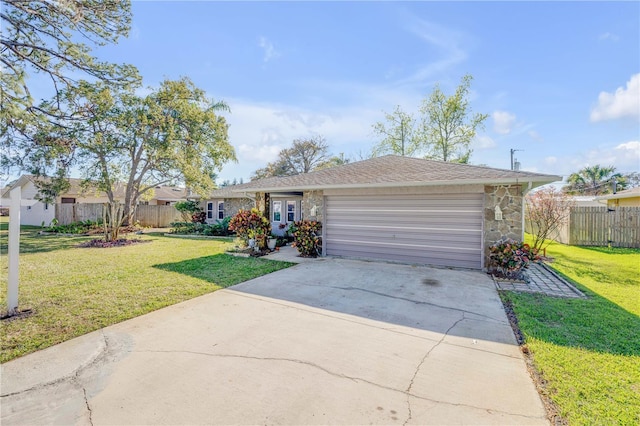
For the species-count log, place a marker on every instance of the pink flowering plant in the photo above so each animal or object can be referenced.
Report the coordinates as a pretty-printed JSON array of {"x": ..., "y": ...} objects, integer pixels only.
[{"x": 509, "y": 259}]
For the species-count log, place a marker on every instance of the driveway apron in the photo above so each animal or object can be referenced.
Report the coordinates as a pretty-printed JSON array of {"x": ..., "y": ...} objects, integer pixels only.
[{"x": 331, "y": 341}]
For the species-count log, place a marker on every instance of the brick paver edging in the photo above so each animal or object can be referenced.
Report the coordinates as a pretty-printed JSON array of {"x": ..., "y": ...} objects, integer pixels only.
[{"x": 543, "y": 280}]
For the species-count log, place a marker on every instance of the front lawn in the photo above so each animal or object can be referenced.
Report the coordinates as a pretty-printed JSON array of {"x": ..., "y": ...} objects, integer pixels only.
[
  {"x": 73, "y": 291},
  {"x": 588, "y": 351}
]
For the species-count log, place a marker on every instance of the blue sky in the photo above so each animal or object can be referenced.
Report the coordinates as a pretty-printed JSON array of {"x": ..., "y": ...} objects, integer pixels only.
[{"x": 560, "y": 81}]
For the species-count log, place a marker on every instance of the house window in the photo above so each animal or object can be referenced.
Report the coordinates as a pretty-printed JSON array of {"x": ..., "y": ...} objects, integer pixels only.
[
  {"x": 220, "y": 210},
  {"x": 277, "y": 211},
  {"x": 291, "y": 211},
  {"x": 302, "y": 210},
  {"x": 66, "y": 200},
  {"x": 209, "y": 210}
]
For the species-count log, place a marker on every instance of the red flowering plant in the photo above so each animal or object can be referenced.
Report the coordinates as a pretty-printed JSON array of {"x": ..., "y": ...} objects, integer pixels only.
[
  {"x": 509, "y": 259},
  {"x": 251, "y": 224},
  {"x": 307, "y": 237}
]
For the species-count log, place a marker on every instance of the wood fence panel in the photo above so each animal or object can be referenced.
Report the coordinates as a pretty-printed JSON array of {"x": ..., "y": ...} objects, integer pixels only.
[
  {"x": 599, "y": 226},
  {"x": 154, "y": 216},
  {"x": 157, "y": 216},
  {"x": 67, "y": 213}
]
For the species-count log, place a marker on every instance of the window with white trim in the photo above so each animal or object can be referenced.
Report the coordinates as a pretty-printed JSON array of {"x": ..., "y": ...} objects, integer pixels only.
[
  {"x": 277, "y": 211},
  {"x": 210, "y": 210},
  {"x": 220, "y": 210},
  {"x": 291, "y": 211}
]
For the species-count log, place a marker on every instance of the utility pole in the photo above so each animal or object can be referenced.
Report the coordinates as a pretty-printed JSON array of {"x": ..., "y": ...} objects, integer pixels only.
[{"x": 512, "y": 151}]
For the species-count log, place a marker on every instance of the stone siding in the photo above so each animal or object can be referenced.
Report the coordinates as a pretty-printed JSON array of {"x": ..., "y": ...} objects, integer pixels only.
[
  {"x": 232, "y": 205},
  {"x": 311, "y": 199},
  {"x": 509, "y": 199}
]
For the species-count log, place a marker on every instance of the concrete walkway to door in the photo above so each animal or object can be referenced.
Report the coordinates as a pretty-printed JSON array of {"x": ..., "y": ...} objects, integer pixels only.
[{"x": 329, "y": 341}]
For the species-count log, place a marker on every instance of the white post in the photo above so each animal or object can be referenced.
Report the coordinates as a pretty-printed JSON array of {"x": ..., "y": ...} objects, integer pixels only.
[{"x": 14, "y": 250}]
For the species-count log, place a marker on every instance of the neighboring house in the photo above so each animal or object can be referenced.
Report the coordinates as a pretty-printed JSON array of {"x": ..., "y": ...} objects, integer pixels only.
[
  {"x": 35, "y": 212},
  {"x": 626, "y": 198},
  {"x": 585, "y": 201},
  {"x": 397, "y": 208}
]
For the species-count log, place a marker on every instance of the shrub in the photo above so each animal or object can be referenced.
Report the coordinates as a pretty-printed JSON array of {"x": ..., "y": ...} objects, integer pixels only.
[
  {"x": 188, "y": 209},
  {"x": 199, "y": 217},
  {"x": 82, "y": 227},
  {"x": 306, "y": 237},
  {"x": 509, "y": 258},
  {"x": 251, "y": 224}
]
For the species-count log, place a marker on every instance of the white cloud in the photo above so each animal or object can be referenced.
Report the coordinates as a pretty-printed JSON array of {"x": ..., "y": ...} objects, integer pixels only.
[
  {"x": 608, "y": 36},
  {"x": 258, "y": 131},
  {"x": 551, "y": 160},
  {"x": 625, "y": 157},
  {"x": 622, "y": 103},
  {"x": 270, "y": 51},
  {"x": 503, "y": 122},
  {"x": 535, "y": 136},
  {"x": 447, "y": 41},
  {"x": 484, "y": 142}
]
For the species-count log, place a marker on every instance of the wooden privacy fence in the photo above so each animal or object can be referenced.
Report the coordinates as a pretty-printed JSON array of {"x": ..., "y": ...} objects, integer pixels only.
[
  {"x": 599, "y": 226},
  {"x": 154, "y": 216}
]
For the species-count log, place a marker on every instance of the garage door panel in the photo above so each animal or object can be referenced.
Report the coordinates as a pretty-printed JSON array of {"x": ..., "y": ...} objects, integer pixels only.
[
  {"x": 439, "y": 229},
  {"x": 409, "y": 236},
  {"x": 431, "y": 257}
]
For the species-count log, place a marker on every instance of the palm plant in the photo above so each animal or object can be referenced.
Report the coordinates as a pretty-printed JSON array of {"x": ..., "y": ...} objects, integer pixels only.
[{"x": 594, "y": 180}]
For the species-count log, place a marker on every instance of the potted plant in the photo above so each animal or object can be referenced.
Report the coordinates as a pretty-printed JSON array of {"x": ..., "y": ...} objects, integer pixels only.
[{"x": 271, "y": 242}]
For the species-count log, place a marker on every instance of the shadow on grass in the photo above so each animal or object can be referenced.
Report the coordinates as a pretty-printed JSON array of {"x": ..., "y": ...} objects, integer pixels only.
[
  {"x": 595, "y": 324},
  {"x": 224, "y": 270},
  {"x": 612, "y": 250},
  {"x": 32, "y": 242}
]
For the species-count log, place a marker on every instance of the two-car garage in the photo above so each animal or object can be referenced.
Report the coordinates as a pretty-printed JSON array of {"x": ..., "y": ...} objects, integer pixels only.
[{"x": 435, "y": 229}]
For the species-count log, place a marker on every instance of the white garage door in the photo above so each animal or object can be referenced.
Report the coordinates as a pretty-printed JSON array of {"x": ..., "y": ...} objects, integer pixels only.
[{"x": 438, "y": 229}]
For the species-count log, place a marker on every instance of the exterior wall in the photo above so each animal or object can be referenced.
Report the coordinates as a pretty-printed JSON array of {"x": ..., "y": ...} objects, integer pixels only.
[
  {"x": 37, "y": 213},
  {"x": 510, "y": 200},
  {"x": 231, "y": 206},
  {"x": 624, "y": 202},
  {"x": 276, "y": 225},
  {"x": 311, "y": 199}
]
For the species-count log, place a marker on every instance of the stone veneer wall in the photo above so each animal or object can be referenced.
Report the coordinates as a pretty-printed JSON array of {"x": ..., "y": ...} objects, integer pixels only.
[
  {"x": 310, "y": 199},
  {"x": 232, "y": 205},
  {"x": 509, "y": 198}
]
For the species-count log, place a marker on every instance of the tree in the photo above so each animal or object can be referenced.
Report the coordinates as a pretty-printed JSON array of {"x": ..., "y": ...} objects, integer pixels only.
[
  {"x": 42, "y": 37},
  {"x": 120, "y": 139},
  {"x": 547, "y": 209},
  {"x": 304, "y": 156},
  {"x": 594, "y": 180},
  {"x": 399, "y": 134},
  {"x": 447, "y": 125},
  {"x": 443, "y": 131}
]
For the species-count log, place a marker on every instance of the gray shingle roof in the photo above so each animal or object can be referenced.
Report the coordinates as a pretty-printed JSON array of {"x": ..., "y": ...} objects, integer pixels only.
[{"x": 392, "y": 170}]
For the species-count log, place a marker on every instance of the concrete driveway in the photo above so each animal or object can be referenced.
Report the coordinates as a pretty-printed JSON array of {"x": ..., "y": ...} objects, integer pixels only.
[{"x": 330, "y": 341}]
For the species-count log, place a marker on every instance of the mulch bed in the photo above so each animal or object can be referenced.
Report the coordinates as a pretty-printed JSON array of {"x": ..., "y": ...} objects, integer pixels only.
[
  {"x": 99, "y": 243},
  {"x": 540, "y": 383}
]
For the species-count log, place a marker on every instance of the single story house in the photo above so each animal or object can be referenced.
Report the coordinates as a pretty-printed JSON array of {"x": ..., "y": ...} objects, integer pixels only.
[
  {"x": 35, "y": 212},
  {"x": 626, "y": 198},
  {"x": 396, "y": 208}
]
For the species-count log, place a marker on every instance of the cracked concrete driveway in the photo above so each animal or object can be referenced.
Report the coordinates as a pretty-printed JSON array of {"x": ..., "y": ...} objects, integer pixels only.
[{"x": 330, "y": 341}]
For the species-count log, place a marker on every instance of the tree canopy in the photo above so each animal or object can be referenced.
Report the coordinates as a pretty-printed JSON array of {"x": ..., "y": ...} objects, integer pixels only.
[
  {"x": 399, "y": 134},
  {"x": 304, "y": 156},
  {"x": 54, "y": 39},
  {"x": 594, "y": 180},
  {"x": 444, "y": 130},
  {"x": 119, "y": 139}
]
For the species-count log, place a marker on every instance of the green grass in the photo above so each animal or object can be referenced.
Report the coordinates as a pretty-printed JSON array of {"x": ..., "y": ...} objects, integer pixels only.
[
  {"x": 73, "y": 291},
  {"x": 588, "y": 351}
]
